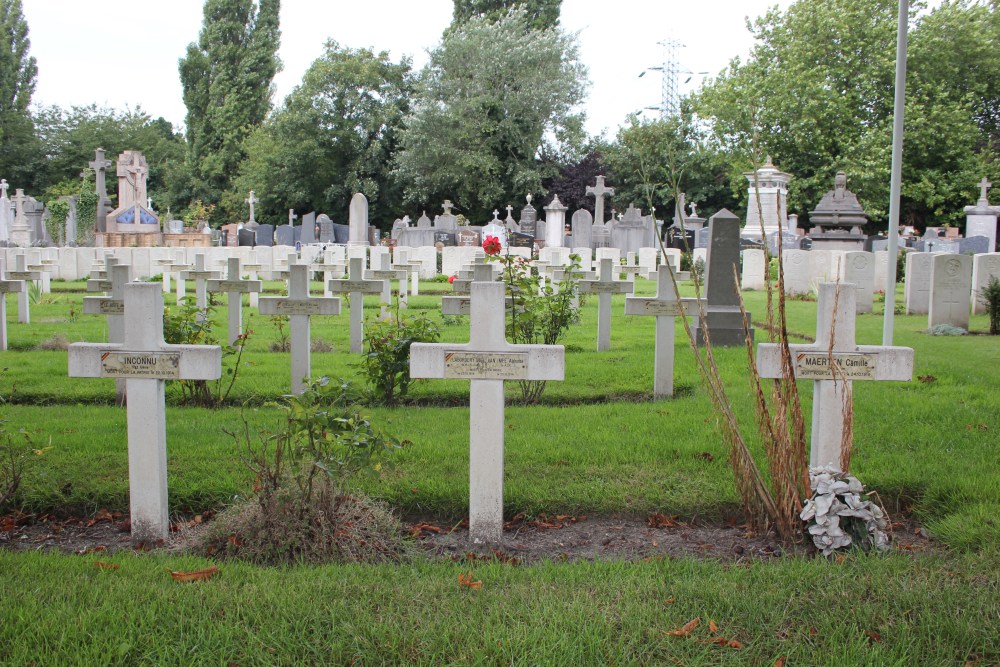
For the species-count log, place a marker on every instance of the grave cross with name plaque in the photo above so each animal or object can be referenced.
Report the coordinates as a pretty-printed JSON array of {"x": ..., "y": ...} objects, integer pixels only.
[
  {"x": 112, "y": 307},
  {"x": 201, "y": 275},
  {"x": 833, "y": 362},
  {"x": 665, "y": 307},
  {"x": 299, "y": 307},
  {"x": 6, "y": 286},
  {"x": 487, "y": 360},
  {"x": 145, "y": 361},
  {"x": 235, "y": 287},
  {"x": 356, "y": 287},
  {"x": 605, "y": 285},
  {"x": 386, "y": 274}
]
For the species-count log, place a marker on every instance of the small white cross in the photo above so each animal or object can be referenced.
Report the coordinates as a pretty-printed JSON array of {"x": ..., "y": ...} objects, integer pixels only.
[
  {"x": 145, "y": 361},
  {"x": 386, "y": 274},
  {"x": 5, "y": 287},
  {"x": 21, "y": 272},
  {"x": 299, "y": 307},
  {"x": 251, "y": 200},
  {"x": 833, "y": 361},
  {"x": 201, "y": 275},
  {"x": 356, "y": 287},
  {"x": 113, "y": 307},
  {"x": 462, "y": 303},
  {"x": 984, "y": 187},
  {"x": 605, "y": 285},
  {"x": 235, "y": 287},
  {"x": 487, "y": 360}
]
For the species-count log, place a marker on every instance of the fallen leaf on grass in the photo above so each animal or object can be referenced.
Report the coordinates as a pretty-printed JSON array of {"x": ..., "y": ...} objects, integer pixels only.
[
  {"x": 685, "y": 630},
  {"x": 670, "y": 601},
  {"x": 712, "y": 627},
  {"x": 873, "y": 637},
  {"x": 419, "y": 529},
  {"x": 780, "y": 662},
  {"x": 705, "y": 456},
  {"x": 106, "y": 566},
  {"x": 813, "y": 630},
  {"x": 196, "y": 575},
  {"x": 466, "y": 580},
  {"x": 926, "y": 379},
  {"x": 722, "y": 641}
]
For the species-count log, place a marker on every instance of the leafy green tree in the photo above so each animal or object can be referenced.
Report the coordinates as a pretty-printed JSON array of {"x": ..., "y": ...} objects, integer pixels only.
[
  {"x": 226, "y": 78},
  {"x": 542, "y": 14},
  {"x": 817, "y": 94},
  {"x": 19, "y": 158},
  {"x": 487, "y": 100},
  {"x": 651, "y": 161},
  {"x": 334, "y": 136}
]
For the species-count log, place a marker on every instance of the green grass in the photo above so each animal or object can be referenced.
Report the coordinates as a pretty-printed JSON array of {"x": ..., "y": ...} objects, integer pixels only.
[{"x": 597, "y": 445}]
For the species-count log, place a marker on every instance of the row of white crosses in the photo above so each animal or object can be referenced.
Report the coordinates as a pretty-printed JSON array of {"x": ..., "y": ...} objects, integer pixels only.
[
  {"x": 22, "y": 272},
  {"x": 112, "y": 306},
  {"x": 235, "y": 287}
]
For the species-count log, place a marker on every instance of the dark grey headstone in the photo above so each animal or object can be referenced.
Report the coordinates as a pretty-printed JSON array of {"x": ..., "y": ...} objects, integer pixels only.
[
  {"x": 701, "y": 238},
  {"x": 308, "y": 233},
  {"x": 724, "y": 320},
  {"x": 341, "y": 233},
  {"x": 246, "y": 237},
  {"x": 974, "y": 244},
  {"x": 467, "y": 237},
  {"x": 519, "y": 240},
  {"x": 284, "y": 235},
  {"x": 265, "y": 235},
  {"x": 297, "y": 234},
  {"x": 325, "y": 228},
  {"x": 444, "y": 238}
]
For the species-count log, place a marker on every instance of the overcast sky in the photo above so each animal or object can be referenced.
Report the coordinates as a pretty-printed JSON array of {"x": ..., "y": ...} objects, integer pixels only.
[{"x": 124, "y": 53}]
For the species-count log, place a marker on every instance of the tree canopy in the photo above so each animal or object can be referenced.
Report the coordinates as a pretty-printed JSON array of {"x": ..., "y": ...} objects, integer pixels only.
[
  {"x": 491, "y": 96},
  {"x": 542, "y": 14},
  {"x": 19, "y": 160}
]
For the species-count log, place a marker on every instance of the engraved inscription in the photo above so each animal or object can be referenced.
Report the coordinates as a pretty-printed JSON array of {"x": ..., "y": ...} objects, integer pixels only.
[
  {"x": 486, "y": 365},
  {"x": 231, "y": 286},
  {"x": 141, "y": 365},
  {"x": 816, "y": 366},
  {"x": 661, "y": 308},
  {"x": 111, "y": 306},
  {"x": 297, "y": 307}
]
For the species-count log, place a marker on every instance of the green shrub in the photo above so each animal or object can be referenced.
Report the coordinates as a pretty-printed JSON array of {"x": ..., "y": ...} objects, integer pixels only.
[
  {"x": 990, "y": 296},
  {"x": 387, "y": 363}
]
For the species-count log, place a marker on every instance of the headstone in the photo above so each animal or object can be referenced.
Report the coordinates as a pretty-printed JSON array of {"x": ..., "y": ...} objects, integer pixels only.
[
  {"x": 974, "y": 245},
  {"x": 665, "y": 307},
  {"x": 984, "y": 267},
  {"x": 487, "y": 360},
  {"x": 246, "y": 237},
  {"x": 917, "y": 285},
  {"x": 981, "y": 219},
  {"x": 519, "y": 240},
  {"x": 144, "y": 361},
  {"x": 833, "y": 362},
  {"x": 265, "y": 235},
  {"x": 555, "y": 224},
  {"x": 583, "y": 227},
  {"x": 859, "y": 270},
  {"x": 284, "y": 235},
  {"x": 770, "y": 186},
  {"x": 299, "y": 307},
  {"x": 356, "y": 286},
  {"x": 446, "y": 239},
  {"x": 325, "y": 224},
  {"x": 252, "y": 201},
  {"x": 358, "y": 220},
  {"x": 701, "y": 238},
  {"x": 235, "y": 287},
  {"x": 466, "y": 237},
  {"x": 724, "y": 320},
  {"x": 951, "y": 290},
  {"x": 230, "y": 234},
  {"x": 341, "y": 234},
  {"x": 632, "y": 232},
  {"x": 6, "y": 286},
  {"x": 598, "y": 191},
  {"x": 446, "y": 222},
  {"x": 607, "y": 283},
  {"x": 754, "y": 268},
  {"x": 529, "y": 219}
]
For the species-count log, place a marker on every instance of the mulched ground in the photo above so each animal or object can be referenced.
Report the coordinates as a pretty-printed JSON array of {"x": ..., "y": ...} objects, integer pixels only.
[{"x": 558, "y": 538}]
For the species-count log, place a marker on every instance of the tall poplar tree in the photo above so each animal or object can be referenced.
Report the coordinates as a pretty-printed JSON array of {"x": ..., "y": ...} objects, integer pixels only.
[
  {"x": 18, "y": 154},
  {"x": 227, "y": 82}
]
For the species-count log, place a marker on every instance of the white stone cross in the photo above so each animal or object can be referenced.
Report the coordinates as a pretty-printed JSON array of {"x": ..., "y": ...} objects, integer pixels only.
[
  {"x": 251, "y": 200},
  {"x": 487, "y": 360},
  {"x": 201, "y": 275},
  {"x": 386, "y": 274},
  {"x": 604, "y": 286},
  {"x": 411, "y": 280},
  {"x": 21, "y": 272},
  {"x": 356, "y": 287},
  {"x": 299, "y": 307},
  {"x": 3, "y": 188},
  {"x": 832, "y": 381},
  {"x": 113, "y": 307},
  {"x": 461, "y": 304},
  {"x": 984, "y": 187},
  {"x": 496, "y": 215},
  {"x": 665, "y": 307},
  {"x": 292, "y": 217},
  {"x": 235, "y": 287},
  {"x": 252, "y": 267},
  {"x": 149, "y": 203},
  {"x": 5, "y": 287},
  {"x": 599, "y": 191},
  {"x": 144, "y": 361},
  {"x": 330, "y": 266}
]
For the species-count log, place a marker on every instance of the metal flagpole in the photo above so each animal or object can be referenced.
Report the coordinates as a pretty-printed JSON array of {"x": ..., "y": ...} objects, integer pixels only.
[{"x": 897, "y": 172}]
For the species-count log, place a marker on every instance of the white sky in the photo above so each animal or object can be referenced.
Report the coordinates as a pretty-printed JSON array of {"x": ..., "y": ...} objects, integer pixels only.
[{"x": 124, "y": 53}]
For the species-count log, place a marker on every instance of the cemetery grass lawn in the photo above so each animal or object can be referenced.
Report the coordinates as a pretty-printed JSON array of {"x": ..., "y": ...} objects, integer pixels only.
[{"x": 597, "y": 446}]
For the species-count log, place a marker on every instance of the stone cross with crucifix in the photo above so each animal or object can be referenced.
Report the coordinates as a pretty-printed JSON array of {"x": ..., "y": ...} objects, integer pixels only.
[
  {"x": 599, "y": 191},
  {"x": 21, "y": 272},
  {"x": 664, "y": 307},
  {"x": 112, "y": 307},
  {"x": 606, "y": 284},
  {"x": 299, "y": 307},
  {"x": 292, "y": 217},
  {"x": 984, "y": 187},
  {"x": 356, "y": 286},
  {"x": 6, "y": 286},
  {"x": 145, "y": 362},
  {"x": 833, "y": 362},
  {"x": 235, "y": 287},
  {"x": 252, "y": 200},
  {"x": 487, "y": 360},
  {"x": 201, "y": 275}
]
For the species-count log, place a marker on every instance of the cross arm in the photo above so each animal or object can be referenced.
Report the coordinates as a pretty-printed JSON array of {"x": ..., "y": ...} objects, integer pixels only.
[
  {"x": 279, "y": 305},
  {"x": 363, "y": 286},
  {"x": 511, "y": 362},
  {"x": 102, "y": 305},
  {"x": 11, "y": 286},
  {"x": 867, "y": 362},
  {"x": 616, "y": 287},
  {"x": 640, "y": 305},
  {"x": 216, "y": 285},
  {"x": 170, "y": 362}
]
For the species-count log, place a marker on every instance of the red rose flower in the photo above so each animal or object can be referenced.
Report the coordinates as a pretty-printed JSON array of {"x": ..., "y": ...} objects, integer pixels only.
[
  {"x": 491, "y": 246},
  {"x": 451, "y": 279}
]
